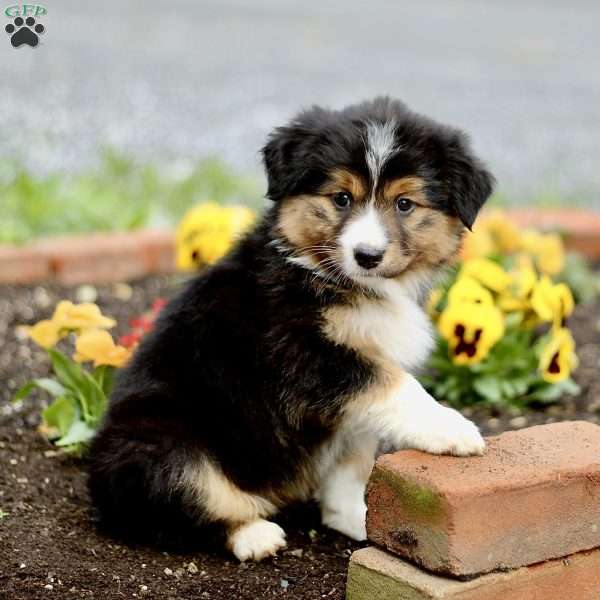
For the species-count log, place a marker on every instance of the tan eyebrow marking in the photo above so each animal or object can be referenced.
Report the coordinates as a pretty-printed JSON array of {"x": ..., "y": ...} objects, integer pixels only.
[
  {"x": 344, "y": 180},
  {"x": 404, "y": 185}
]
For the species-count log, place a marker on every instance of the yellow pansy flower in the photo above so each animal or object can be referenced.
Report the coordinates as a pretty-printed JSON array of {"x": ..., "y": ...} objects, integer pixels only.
[
  {"x": 80, "y": 316},
  {"x": 504, "y": 232},
  {"x": 558, "y": 358},
  {"x": 523, "y": 280},
  {"x": 44, "y": 333},
  {"x": 98, "y": 346},
  {"x": 467, "y": 289},
  {"x": 523, "y": 277},
  {"x": 212, "y": 248},
  {"x": 471, "y": 330},
  {"x": 547, "y": 250},
  {"x": 477, "y": 243},
  {"x": 487, "y": 272},
  {"x": 67, "y": 317},
  {"x": 552, "y": 302},
  {"x": 494, "y": 233},
  {"x": 207, "y": 232}
]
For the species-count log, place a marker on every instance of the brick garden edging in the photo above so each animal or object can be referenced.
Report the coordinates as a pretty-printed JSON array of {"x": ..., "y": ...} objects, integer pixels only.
[
  {"x": 532, "y": 499},
  {"x": 376, "y": 575},
  {"x": 109, "y": 257},
  {"x": 513, "y": 506},
  {"x": 581, "y": 228},
  {"x": 94, "y": 258}
]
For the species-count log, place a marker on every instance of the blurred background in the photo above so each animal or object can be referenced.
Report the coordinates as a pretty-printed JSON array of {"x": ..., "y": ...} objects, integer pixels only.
[{"x": 129, "y": 112}]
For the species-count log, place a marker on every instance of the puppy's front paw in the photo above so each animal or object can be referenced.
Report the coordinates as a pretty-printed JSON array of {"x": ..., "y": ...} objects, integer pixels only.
[
  {"x": 257, "y": 540},
  {"x": 448, "y": 432},
  {"x": 349, "y": 522}
]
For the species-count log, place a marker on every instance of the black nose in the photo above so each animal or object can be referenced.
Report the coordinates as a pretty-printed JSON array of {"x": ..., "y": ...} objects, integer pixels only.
[{"x": 367, "y": 257}]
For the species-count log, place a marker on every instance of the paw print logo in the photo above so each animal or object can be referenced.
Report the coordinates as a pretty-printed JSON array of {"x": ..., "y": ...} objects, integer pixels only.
[{"x": 24, "y": 32}]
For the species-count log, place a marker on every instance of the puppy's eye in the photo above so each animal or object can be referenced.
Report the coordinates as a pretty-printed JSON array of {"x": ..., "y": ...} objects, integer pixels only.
[
  {"x": 342, "y": 199},
  {"x": 405, "y": 206}
]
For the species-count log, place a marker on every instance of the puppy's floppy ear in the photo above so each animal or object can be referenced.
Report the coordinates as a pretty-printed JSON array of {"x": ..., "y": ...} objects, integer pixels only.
[
  {"x": 279, "y": 158},
  {"x": 468, "y": 183},
  {"x": 291, "y": 155}
]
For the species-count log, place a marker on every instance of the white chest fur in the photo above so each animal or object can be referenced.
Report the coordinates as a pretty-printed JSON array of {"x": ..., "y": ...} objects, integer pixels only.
[{"x": 394, "y": 328}]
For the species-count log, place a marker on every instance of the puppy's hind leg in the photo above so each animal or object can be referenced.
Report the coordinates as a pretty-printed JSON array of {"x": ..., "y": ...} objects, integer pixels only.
[
  {"x": 249, "y": 535},
  {"x": 342, "y": 490}
]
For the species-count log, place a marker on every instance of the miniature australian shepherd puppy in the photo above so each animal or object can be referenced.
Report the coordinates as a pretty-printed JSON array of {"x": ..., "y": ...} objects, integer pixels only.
[{"x": 276, "y": 374}]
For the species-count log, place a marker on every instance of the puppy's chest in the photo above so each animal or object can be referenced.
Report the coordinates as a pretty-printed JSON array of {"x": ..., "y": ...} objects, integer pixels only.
[{"x": 392, "y": 331}]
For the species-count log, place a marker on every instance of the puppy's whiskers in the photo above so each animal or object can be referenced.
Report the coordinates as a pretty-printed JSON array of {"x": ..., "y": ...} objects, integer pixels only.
[{"x": 331, "y": 273}]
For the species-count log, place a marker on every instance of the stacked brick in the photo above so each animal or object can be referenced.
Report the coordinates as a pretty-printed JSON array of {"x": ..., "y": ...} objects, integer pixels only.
[
  {"x": 93, "y": 258},
  {"x": 521, "y": 522}
]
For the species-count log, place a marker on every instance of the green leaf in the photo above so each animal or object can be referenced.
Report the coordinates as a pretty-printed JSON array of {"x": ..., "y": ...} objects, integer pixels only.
[
  {"x": 82, "y": 385},
  {"x": 581, "y": 278},
  {"x": 51, "y": 386},
  {"x": 47, "y": 384},
  {"x": 453, "y": 395},
  {"x": 513, "y": 319},
  {"x": 95, "y": 399},
  {"x": 427, "y": 381},
  {"x": 440, "y": 362},
  {"x": 61, "y": 414},
  {"x": 24, "y": 391},
  {"x": 546, "y": 392},
  {"x": 568, "y": 386},
  {"x": 520, "y": 385},
  {"x": 79, "y": 433},
  {"x": 69, "y": 373},
  {"x": 104, "y": 377},
  {"x": 488, "y": 387},
  {"x": 508, "y": 389}
]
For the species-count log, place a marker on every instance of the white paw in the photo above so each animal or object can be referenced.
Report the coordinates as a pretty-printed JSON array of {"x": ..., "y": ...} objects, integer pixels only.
[
  {"x": 257, "y": 540},
  {"x": 350, "y": 522},
  {"x": 446, "y": 431}
]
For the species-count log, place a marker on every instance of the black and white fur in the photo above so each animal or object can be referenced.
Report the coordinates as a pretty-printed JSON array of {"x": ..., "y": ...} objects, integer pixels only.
[{"x": 276, "y": 374}]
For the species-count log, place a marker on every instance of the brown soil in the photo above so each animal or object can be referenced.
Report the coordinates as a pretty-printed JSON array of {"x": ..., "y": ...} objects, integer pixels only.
[
  {"x": 48, "y": 539},
  {"x": 49, "y": 546}
]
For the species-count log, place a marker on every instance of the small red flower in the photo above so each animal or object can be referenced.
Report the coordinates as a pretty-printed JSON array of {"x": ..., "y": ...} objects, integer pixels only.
[
  {"x": 142, "y": 324},
  {"x": 158, "y": 305},
  {"x": 129, "y": 340}
]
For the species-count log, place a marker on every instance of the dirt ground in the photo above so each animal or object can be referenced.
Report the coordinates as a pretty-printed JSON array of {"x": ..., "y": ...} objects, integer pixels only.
[{"x": 49, "y": 545}]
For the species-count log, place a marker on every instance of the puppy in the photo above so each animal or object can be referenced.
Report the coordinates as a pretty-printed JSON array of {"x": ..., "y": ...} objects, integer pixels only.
[{"x": 276, "y": 374}]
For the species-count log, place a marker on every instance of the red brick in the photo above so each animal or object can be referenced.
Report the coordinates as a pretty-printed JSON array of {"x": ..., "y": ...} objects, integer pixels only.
[
  {"x": 158, "y": 249},
  {"x": 535, "y": 495},
  {"x": 23, "y": 265},
  {"x": 581, "y": 228},
  {"x": 376, "y": 575},
  {"x": 95, "y": 258}
]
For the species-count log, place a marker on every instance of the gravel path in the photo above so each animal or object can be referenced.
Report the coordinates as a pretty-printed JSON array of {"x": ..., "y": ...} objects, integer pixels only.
[{"x": 184, "y": 79}]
